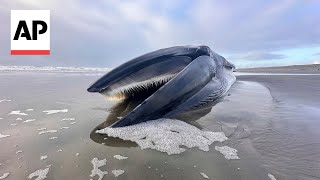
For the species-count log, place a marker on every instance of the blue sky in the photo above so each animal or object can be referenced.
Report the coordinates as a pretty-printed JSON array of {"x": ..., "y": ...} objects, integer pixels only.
[{"x": 108, "y": 33}]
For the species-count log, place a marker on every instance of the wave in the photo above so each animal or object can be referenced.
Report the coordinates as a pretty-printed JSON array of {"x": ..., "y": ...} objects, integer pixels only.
[{"x": 52, "y": 69}]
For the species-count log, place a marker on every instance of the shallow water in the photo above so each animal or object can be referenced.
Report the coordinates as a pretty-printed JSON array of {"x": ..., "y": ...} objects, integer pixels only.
[{"x": 274, "y": 137}]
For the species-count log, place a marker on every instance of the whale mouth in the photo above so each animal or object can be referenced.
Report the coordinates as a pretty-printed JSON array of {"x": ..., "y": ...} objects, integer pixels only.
[
  {"x": 170, "y": 81},
  {"x": 137, "y": 89}
]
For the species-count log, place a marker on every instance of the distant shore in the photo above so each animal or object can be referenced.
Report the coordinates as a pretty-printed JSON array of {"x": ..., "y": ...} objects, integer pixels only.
[{"x": 304, "y": 69}]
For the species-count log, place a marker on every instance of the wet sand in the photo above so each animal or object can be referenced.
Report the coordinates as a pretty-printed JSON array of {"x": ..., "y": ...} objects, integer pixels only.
[
  {"x": 271, "y": 120},
  {"x": 290, "y": 144}
]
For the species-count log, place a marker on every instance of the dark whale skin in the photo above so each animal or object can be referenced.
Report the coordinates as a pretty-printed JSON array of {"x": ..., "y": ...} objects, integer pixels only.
[{"x": 174, "y": 80}]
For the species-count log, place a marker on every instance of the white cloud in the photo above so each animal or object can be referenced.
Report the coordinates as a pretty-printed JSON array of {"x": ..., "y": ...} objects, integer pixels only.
[{"x": 107, "y": 33}]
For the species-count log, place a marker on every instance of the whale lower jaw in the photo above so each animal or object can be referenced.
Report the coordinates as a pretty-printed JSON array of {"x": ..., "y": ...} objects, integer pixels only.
[
  {"x": 137, "y": 88},
  {"x": 169, "y": 82}
]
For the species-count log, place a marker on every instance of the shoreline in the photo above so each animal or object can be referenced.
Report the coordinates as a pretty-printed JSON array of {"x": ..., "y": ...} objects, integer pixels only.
[{"x": 294, "y": 69}]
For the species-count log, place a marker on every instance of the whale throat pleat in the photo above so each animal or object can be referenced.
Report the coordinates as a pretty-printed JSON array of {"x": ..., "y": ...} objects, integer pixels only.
[{"x": 147, "y": 80}]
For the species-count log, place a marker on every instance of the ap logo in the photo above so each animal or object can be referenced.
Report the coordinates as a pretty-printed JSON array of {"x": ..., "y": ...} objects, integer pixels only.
[{"x": 30, "y": 32}]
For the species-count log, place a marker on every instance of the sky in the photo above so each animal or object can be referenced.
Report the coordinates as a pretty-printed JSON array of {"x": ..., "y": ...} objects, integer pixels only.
[{"x": 109, "y": 33}]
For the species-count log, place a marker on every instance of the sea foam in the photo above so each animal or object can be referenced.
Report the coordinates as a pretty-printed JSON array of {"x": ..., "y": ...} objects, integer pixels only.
[
  {"x": 204, "y": 175},
  {"x": 48, "y": 131},
  {"x": 117, "y": 172},
  {"x": 228, "y": 152},
  {"x": 55, "y": 111},
  {"x": 4, "y": 175},
  {"x": 53, "y": 69},
  {"x": 40, "y": 174},
  {"x": 119, "y": 157},
  {"x": 29, "y": 120},
  {"x": 271, "y": 176},
  {"x": 4, "y": 135},
  {"x": 17, "y": 113},
  {"x": 166, "y": 135},
  {"x": 96, "y": 163}
]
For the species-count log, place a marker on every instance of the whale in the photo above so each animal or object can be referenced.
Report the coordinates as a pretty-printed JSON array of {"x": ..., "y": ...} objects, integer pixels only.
[{"x": 169, "y": 81}]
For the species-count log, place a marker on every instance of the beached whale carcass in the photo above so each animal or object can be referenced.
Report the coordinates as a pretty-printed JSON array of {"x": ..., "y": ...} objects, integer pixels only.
[{"x": 174, "y": 80}]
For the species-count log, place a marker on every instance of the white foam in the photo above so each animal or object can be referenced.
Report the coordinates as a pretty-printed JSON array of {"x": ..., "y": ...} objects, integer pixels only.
[
  {"x": 77, "y": 154},
  {"x": 18, "y": 119},
  {"x": 1, "y": 118},
  {"x": 55, "y": 111},
  {"x": 60, "y": 150},
  {"x": 5, "y": 100},
  {"x": 17, "y": 113},
  {"x": 166, "y": 135},
  {"x": 43, "y": 157},
  {"x": 40, "y": 174},
  {"x": 54, "y": 137},
  {"x": 47, "y": 131},
  {"x": 72, "y": 123},
  {"x": 29, "y": 120},
  {"x": 4, "y": 135},
  {"x": 18, "y": 152},
  {"x": 117, "y": 172},
  {"x": 54, "y": 69},
  {"x": 119, "y": 157},
  {"x": 204, "y": 175},
  {"x": 228, "y": 152},
  {"x": 96, "y": 163},
  {"x": 64, "y": 128},
  {"x": 41, "y": 129},
  {"x": 29, "y": 109},
  {"x": 4, "y": 175},
  {"x": 271, "y": 176},
  {"x": 13, "y": 124},
  {"x": 68, "y": 119}
]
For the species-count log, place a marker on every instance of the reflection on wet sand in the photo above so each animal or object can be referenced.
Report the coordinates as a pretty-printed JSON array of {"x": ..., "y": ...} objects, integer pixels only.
[
  {"x": 118, "y": 110},
  {"x": 122, "y": 108}
]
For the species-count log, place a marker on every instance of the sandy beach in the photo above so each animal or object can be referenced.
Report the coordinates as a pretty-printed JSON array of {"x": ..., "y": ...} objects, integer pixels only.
[
  {"x": 49, "y": 123},
  {"x": 300, "y": 69}
]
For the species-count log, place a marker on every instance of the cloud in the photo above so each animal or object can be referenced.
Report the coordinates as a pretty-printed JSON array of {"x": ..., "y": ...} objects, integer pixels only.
[
  {"x": 316, "y": 54},
  {"x": 108, "y": 33}
]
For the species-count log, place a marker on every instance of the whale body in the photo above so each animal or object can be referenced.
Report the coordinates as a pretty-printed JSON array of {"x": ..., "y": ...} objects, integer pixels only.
[{"x": 172, "y": 81}]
